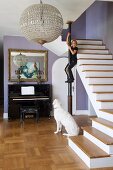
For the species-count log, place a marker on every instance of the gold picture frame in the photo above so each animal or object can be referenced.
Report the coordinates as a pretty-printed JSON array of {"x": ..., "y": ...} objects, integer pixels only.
[{"x": 28, "y": 65}]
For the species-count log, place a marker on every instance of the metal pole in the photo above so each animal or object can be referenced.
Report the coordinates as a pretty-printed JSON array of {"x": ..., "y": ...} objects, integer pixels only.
[{"x": 69, "y": 84}]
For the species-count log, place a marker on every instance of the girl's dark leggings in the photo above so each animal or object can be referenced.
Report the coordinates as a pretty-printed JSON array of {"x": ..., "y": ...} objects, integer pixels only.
[{"x": 68, "y": 69}]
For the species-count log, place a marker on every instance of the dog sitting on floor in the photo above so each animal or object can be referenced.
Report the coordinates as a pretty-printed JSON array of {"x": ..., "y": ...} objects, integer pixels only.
[{"x": 65, "y": 119}]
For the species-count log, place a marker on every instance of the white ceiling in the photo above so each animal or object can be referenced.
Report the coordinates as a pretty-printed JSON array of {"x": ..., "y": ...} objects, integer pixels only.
[{"x": 10, "y": 12}]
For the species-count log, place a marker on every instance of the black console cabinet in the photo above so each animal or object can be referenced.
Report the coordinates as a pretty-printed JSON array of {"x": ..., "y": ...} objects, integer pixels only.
[{"x": 42, "y": 99}]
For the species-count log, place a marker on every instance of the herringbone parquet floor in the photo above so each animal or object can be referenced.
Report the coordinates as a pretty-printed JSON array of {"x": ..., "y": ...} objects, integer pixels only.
[{"x": 34, "y": 146}]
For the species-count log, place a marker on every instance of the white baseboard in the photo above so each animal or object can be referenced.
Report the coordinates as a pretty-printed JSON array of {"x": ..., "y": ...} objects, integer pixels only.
[
  {"x": 81, "y": 112},
  {"x": 5, "y": 115}
]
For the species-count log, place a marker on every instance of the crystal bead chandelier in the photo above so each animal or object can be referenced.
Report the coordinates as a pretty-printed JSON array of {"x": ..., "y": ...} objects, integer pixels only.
[{"x": 41, "y": 23}]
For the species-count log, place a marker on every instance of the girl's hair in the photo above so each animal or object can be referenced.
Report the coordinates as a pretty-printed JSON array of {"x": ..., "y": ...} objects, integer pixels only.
[{"x": 74, "y": 41}]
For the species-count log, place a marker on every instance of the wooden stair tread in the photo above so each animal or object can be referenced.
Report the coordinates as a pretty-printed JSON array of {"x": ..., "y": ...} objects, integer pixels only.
[
  {"x": 110, "y": 100},
  {"x": 107, "y": 110},
  {"x": 79, "y": 52},
  {"x": 96, "y": 64},
  {"x": 103, "y": 122},
  {"x": 100, "y": 84},
  {"x": 90, "y": 149},
  {"x": 90, "y": 39},
  {"x": 97, "y": 71},
  {"x": 102, "y": 92},
  {"x": 94, "y": 59},
  {"x": 98, "y": 77},
  {"x": 96, "y": 54},
  {"x": 93, "y": 44},
  {"x": 99, "y": 135},
  {"x": 92, "y": 49}
]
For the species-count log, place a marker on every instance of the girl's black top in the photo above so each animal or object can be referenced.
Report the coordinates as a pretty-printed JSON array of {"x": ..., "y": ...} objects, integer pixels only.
[{"x": 74, "y": 56}]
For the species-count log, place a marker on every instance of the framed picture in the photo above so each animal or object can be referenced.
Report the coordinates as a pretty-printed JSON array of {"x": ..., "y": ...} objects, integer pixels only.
[{"x": 28, "y": 65}]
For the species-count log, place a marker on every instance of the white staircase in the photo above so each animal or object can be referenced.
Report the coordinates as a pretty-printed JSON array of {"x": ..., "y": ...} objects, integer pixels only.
[{"x": 95, "y": 67}]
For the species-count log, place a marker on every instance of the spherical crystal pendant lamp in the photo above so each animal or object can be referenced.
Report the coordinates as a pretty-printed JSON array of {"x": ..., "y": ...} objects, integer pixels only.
[{"x": 41, "y": 23}]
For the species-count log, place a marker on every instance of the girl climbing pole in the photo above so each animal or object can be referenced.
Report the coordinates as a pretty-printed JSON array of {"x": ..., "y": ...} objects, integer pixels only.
[{"x": 73, "y": 58}]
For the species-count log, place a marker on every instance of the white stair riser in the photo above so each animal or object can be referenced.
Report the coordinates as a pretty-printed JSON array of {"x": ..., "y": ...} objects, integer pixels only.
[
  {"x": 105, "y": 96},
  {"x": 93, "y": 51},
  {"x": 100, "y": 80},
  {"x": 103, "y": 128},
  {"x": 106, "y": 116},
  {"x": 79, "y": 152},
  {"x": 94, "y": 61},
  {"x": 99, "y": 56},
  {"x": 102, "y": 162},
  {"x": 98, "y": 74},
  {"x": 93, "y": 162},
  {"x": 99, "y": 42},
  {"x": 106, "y": 105},
  {"x": 95, "y": 67},
  {"x": 107, "y": 148},
  {"x": 101, "y": 88},
  {"x": 91, "y": 46}
]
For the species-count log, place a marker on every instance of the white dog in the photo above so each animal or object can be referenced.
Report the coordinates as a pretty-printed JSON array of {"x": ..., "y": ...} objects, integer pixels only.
[{"x": 64, "y": 118}]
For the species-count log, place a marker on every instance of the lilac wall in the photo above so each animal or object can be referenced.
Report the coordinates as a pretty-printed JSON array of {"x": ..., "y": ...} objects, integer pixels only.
[
  {"x": 109, "y": 27},
  {"x": 81, "y": 95},
  {"x": 96, "y": 17},
  {"x": 99, "y": 23},
  {"x": 21, "y": 43},
  {"x": 78, "y": 28}
]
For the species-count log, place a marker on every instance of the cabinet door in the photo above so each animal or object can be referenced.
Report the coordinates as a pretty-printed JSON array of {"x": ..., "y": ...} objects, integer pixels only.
[{"x": 13, "y": 111}]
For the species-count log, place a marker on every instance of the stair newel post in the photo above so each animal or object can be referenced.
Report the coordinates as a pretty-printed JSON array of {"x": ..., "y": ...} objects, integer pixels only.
[{"x": 69, "y": 84}]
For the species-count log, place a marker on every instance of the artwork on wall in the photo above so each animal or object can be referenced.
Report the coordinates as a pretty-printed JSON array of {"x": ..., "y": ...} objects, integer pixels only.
[{"x": 28, "y": 65}]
